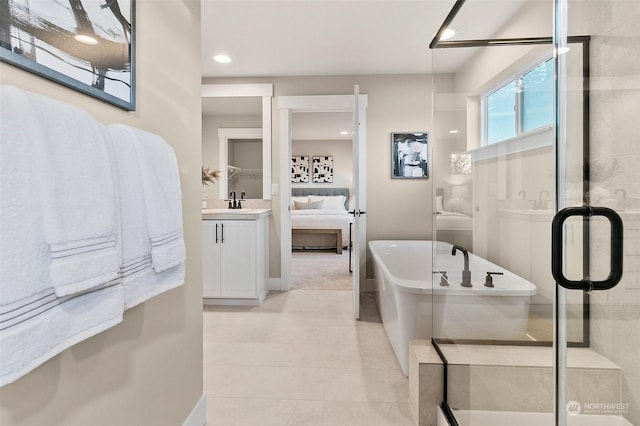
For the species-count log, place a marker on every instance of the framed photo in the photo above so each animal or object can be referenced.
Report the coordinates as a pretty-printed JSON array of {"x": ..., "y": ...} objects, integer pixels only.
[
  {"x": 85, "y": 45},
  {"x": 410, "y": 155},
  {"x": 300, "y": 169},
  {"x": 323, "y": 169}
]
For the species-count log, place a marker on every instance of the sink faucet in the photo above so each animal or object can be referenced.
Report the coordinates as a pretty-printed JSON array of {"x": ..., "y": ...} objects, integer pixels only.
[
  {"x": 624, "y": 193},
  {"x": 541, "y": 205},
  {"x": 523, "y": 193},
  {"x": 466, "y": 273},
  {"x": 233, "y": 204}
]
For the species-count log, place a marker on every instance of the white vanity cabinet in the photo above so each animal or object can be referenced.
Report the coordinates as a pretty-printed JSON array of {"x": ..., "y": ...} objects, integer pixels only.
[{"x": 234, "y": 257}]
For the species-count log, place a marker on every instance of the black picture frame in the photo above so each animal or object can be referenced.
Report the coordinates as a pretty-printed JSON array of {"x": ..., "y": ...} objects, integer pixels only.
[
  {"x": 46, "y": 38},
  {"x": 410, "y": 155}
]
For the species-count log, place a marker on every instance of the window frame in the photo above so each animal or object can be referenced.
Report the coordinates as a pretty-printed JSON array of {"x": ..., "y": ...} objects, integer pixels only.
[{"x": 484, "y": 103}]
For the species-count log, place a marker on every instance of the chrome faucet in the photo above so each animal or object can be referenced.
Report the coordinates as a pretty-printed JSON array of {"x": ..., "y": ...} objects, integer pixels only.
[
  {"x": 466, "y": 273},
  {"x": 523, "y": 193},
  {"x": 624, "y": 193}
]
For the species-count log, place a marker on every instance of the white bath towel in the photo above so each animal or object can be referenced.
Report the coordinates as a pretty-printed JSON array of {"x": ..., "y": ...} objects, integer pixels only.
[
  {"x": 77, "y": 197},
  {"x": 35, "y": 330},
  {"x": 163, "y": 199},
  {"x": 139, "y": 279},
  {"x": 35, "y": 323}
]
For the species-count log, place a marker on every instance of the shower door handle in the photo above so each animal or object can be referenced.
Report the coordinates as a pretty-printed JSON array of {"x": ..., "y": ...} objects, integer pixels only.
[{"x": 557, "y": 266}]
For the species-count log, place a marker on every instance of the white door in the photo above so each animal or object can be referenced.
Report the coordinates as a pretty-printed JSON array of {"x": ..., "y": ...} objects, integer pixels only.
[{"x": 359, "y": 209}]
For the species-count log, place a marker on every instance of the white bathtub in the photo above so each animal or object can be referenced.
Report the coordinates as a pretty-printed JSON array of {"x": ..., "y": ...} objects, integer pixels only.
[
  {"x": 510, "y": 418},
  {"x": 412, "y": 306}
]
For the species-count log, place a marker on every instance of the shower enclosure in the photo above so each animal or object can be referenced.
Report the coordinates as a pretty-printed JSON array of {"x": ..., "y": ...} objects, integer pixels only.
[{"x": 536, "y": 147}]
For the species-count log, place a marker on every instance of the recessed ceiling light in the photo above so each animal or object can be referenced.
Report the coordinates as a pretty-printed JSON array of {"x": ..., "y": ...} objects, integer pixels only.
[
  {"x": 448, "y": 33},
  {"x": 85, "y": 39},
  {"x": 222, "y": 59},
  {"x": 453, "y": 131},
  {"x": 344, "y": 132}
]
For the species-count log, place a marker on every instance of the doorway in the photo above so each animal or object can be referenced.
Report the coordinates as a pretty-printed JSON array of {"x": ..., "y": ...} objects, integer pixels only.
[
  {"x": 322, "y": 150},
  {"x": 355, "y": 105}
]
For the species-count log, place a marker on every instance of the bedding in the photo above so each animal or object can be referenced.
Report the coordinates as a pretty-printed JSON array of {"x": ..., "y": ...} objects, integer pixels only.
[
  {"x": 332, "y": 215},
  {"x": 453, "y": 221}
]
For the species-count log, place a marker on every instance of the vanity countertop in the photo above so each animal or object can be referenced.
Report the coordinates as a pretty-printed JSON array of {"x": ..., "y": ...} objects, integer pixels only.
[{"x": 234, "y": 214}]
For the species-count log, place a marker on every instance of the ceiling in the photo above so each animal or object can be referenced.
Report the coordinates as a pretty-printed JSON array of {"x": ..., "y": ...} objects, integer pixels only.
[
  {"x": 338, "y": 37},
  {"x": 334, "y": 37}
]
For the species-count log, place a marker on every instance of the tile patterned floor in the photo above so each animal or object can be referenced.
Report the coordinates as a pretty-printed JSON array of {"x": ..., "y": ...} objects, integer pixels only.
[{"x": 301, "y": 359}]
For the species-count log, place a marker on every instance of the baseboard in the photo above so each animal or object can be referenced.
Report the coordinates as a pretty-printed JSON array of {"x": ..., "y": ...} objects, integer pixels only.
[
  {"x": 198, "y": 415},
  {"x": 273, "y": 284}
]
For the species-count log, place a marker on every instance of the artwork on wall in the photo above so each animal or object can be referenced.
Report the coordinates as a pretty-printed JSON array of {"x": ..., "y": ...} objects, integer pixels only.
[
  {"x": 323, "y": 169},
  {"x": 460, "y": 163},
  {"x": 300, "y": 169},
  {"x": 410, "y": 155},
  {"x": 87, "y": 46}
]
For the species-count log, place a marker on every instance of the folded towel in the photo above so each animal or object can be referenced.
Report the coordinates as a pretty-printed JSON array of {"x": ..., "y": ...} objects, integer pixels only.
[
  {"x": 162, "y": 197},
  {"x": 35, "y": 323},
  {"x": 77, "y": 195},
  {"x": 139, "y": 279},
  {"x": 24, "y": 253},
  {"x": 38, "y": 328}
]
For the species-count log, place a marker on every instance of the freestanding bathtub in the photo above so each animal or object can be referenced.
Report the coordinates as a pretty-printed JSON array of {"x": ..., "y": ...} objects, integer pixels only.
[{"x": 414, "y": 305}]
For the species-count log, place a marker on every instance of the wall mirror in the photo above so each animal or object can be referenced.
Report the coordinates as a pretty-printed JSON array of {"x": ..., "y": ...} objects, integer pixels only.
[{"x": 236, "y": 121}]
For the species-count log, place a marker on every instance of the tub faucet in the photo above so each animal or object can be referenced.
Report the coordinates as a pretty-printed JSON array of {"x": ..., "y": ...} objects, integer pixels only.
[{"x": 466, "y": 273}]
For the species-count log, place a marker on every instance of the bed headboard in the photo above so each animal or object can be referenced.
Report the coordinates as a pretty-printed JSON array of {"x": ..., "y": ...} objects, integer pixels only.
[{"x": 300, "y": 192}]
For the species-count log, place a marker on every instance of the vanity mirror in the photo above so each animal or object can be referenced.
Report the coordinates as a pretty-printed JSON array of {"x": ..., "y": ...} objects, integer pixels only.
[{"x": 237, "y": 138}]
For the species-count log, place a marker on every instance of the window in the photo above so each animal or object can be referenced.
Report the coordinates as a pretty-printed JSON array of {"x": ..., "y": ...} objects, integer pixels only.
[{"x": 521, "y": 105}]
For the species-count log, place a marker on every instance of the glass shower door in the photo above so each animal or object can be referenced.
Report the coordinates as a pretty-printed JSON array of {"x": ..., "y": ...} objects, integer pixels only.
[{"x": 602, "y": 379}]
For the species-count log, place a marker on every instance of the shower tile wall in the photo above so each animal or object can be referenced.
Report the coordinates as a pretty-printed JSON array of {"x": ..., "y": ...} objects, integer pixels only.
[{"x": 615, "y": 153}]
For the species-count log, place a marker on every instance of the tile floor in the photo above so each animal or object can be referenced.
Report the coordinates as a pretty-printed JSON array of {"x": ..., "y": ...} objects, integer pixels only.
[{"x": 301, "y": 359}]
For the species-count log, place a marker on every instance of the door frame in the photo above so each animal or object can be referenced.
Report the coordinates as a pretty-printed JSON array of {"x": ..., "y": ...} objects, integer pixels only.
[{"x": 287, "y": 105}]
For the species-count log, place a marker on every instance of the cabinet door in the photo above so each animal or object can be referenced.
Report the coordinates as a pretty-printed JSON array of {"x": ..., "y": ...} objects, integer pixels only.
[
  {"x": 238, "y": 259},
  {"x": 210, "y": 259}
]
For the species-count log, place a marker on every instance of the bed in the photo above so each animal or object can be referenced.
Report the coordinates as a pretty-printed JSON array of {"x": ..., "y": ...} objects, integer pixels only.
[
  {"x": 452, "y": 227},
  {"x": 319, "y": 218}
]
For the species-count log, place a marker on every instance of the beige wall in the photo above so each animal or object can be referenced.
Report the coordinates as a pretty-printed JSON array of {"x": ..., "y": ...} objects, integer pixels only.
[
  {"x": 396, "y": 208},
  {"x": 342, "y": 152},
  {"x": 147, "y": 370}
]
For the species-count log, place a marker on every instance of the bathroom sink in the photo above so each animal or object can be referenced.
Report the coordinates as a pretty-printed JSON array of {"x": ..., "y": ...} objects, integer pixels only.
[
  {"x": 234, "y": 214},
  {"x": 227, "y": 211}
]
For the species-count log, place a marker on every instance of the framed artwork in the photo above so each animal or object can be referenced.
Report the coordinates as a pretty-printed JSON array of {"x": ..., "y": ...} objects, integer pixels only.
[
  {"x": 85, "y": 45},
  {"x": 410, "y": 155},
  {"x": 460, "y": 163},
  {"x": 300, "y": 169},
  {"x": 323, "y": 169}
]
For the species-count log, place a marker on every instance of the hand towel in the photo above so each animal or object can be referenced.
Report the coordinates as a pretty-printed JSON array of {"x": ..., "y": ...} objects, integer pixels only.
[
  {"x": 77, "y": 195},
  {"x": 162, "y": 197},
  {"x": 35, "y": 323},
  {"x": 139, "y": 279}
]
